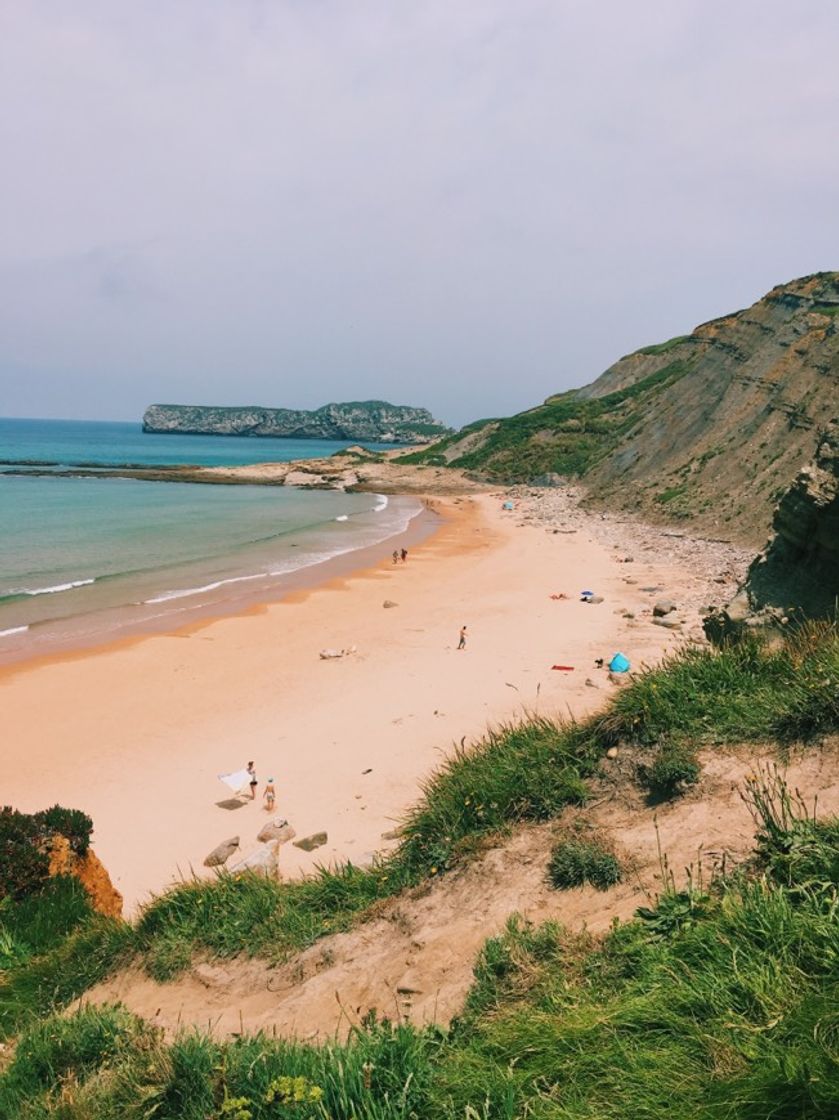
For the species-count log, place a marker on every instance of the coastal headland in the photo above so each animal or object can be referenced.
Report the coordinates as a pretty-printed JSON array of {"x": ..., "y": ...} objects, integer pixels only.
[{"x": 137, "y": 733}]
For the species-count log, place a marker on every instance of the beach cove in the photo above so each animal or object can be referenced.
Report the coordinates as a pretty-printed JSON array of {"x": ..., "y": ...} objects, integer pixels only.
[{"x": 136, "y": 733}]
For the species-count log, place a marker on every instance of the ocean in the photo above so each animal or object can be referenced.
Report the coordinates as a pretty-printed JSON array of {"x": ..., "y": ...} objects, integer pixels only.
[{"x": 85, "y": 560}]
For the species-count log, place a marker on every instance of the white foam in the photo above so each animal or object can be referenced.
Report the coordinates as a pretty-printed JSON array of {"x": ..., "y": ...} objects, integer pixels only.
[
  {"x": 13, "y": 630},
  {"x": 343, "y": 517},
  {"x": 381, "y": 503},
  {"x": 182, "y": 593},
  {"x": 58, "y": 587}
]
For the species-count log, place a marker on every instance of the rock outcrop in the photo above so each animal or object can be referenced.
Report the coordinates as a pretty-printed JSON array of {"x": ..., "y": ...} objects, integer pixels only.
[
  {"x": 371, "y": 421},
  {"x": 797, "y": 574},
  {"x": 88, "y": 869}
]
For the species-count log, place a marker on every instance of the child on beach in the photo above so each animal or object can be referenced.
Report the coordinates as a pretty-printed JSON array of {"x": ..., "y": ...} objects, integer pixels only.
[
  {"x": 395, "y": 557},
  {"x": 269, "y": 796},
  {"x": 404, "y": 555},
  {"x": 462, "y": 643},
  {"x": 252, "y": 783}
]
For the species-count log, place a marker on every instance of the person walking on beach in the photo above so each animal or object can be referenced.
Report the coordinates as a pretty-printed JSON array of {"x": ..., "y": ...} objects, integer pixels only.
[
  {"x": 395, "y": 557},
  {"x": 252, "y": 781},
  {"x": 462, "y": 643},
  {"x": 404, "y": 555},
  {"x": 269, "y": 796}
]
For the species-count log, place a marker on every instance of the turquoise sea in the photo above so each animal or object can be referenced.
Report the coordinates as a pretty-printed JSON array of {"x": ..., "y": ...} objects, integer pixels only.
[{"x": 86, "y": 559}]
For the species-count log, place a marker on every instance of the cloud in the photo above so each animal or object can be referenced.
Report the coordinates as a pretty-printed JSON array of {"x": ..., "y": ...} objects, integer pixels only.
[{"x": 464, "y": 205}]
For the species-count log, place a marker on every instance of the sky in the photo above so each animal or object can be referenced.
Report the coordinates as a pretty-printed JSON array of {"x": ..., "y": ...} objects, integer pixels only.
[{"x": 466, "y": 204}]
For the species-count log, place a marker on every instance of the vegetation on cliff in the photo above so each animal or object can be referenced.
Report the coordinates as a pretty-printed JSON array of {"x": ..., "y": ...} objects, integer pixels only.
[{"x": 717, "y": 1002}]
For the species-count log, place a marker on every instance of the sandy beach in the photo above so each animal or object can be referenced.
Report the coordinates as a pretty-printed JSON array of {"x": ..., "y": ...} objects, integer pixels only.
[{"x": 136, "y": 733}]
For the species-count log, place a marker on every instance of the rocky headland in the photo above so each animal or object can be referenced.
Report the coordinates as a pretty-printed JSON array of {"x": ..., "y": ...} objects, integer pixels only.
[{"x": 371, "y": 421}]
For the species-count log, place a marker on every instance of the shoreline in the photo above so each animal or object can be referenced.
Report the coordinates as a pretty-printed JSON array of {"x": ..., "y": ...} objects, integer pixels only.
[{"x": 71, "y": 641}]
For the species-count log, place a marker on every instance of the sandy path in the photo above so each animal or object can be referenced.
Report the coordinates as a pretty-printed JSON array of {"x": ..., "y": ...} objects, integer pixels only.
[{"x": 136, "y": 735}]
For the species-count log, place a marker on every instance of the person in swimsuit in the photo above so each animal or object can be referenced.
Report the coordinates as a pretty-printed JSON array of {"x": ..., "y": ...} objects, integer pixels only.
[
  {"x": 395, "y": 557},
  {"x": 462, "y": 643},
  {"x": 404, "y": 555},
  {"x": 269, "y": 795},
  {"x": 252, "y": 782}
]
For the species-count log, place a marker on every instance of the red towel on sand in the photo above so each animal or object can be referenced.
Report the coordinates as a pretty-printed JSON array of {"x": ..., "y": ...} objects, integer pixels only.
[{"x": 566, "y": 668}]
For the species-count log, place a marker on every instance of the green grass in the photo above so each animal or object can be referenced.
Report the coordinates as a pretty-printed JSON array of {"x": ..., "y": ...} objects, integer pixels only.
[
  {"x": 663, "y": 347},
  {"x": 577, "y": 861},
  {"x": 567, "y": 435},
  {"x": 730, "y": 1015}
]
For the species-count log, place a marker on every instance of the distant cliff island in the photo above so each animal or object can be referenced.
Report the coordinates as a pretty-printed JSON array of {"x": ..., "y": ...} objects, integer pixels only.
[{"x": 371, "y": 421}]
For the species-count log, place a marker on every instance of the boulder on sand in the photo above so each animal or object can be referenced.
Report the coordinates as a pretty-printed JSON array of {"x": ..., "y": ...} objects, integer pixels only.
[
  {"x": 264, "y": 861},
  {"x": 663, "y": 607},
  {"x": 278, "y": 829},
  {"x": 388, "y": 603},
  {"x": 221, "y": 854},
  {"x": 309, "y": 843}
]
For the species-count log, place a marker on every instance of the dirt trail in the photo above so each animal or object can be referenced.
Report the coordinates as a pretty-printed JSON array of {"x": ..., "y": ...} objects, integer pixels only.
[{"x": 414, "y": 961}]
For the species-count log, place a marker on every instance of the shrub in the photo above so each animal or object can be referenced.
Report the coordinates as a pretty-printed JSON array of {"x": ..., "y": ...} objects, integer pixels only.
[
  {"x": 576, "y": 861},
  {"x": 672, "y": 768},
  {"x": 73, "y": 824},
  {"x": 23, "y": 865}
]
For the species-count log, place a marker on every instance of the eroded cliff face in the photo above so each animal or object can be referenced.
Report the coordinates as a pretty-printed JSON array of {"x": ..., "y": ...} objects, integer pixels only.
[
  {"x": 90, "y": 872},
  {"x": 800, "y": 565},
  {"x": 796, "y": 576},
  {"x": 369, "y": 421}
]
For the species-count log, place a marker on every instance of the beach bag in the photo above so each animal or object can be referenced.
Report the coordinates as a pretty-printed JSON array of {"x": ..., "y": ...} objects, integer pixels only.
[{"x": 619, "y": 664}]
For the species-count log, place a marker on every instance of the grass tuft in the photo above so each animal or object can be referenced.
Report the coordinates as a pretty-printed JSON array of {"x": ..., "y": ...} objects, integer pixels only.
[{"x": 577, "y": 861}]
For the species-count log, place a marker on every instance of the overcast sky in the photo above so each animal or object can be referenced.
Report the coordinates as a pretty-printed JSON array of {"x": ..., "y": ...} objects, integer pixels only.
[{"x": 464, "y": 204}]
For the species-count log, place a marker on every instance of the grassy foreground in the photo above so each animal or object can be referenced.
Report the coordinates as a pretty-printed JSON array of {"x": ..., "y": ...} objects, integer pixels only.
[
  {"x": 715, "y": 1005},
  {"x": 720, "y": 1006}
]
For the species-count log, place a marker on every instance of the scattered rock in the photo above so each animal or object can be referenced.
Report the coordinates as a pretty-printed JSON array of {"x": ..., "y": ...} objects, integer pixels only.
[
  {"x": 619, "y": 678},
  {"x": 667, "y": 623},
  {"x": 409, "y": 985},
  {"x": 222, "y": 853},
  {"x": 265, "y": 860},
  {"x": 591, "y": 683},
  {"x": 663, "y": 607},
  {"x": 277, "y": 829},
  {"x": 389, "y": 603},
  {"x": 612, "y": 752},
  {"x": 593, "y": 599},
  {"x": 309, "y": 843}
]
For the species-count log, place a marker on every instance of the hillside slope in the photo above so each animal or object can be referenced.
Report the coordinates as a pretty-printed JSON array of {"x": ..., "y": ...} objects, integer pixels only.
[{"x": 710, "y": 428}]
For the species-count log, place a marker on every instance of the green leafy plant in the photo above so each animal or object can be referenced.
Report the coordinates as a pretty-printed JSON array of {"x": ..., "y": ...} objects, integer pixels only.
[
  {"x": 75, "y": 825},
  {"x": 24, "y": 866}
]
